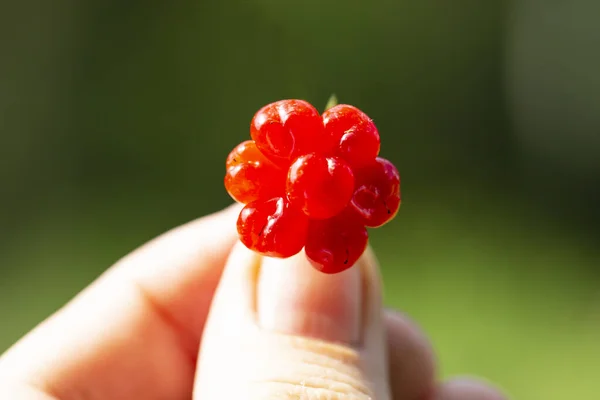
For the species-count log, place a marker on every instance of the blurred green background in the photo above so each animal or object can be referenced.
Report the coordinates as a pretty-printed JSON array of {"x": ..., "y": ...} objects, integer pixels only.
[{"x": 116, "y": 118}]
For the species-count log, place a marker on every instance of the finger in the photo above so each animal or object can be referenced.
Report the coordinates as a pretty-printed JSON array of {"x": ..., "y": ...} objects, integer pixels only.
[
  {"x": 411, "y": 360},
  {"x": 280, "y": 329},
  {"x": 134, "y": 333},
  {"x": 180, "y": 270},
  {"x": 18, "y": 391},
  {"x": 467, "y": 389}
]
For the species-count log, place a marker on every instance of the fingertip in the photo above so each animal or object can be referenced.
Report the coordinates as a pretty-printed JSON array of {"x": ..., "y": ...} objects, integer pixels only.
[
  {"x": 212, "y": 232},
  {"x": 411, "y": 357},
  {"x": 236, "y": 292},
  {"x": 292, "y": 328},
  {"x": 466, "y": 388},
  {"x": 233, "y": 208},
  {"x": 223, "y": 220}
]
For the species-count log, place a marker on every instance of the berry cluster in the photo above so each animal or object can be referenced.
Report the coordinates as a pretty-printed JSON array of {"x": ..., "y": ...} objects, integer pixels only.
[{"x": 311, "y": 181}]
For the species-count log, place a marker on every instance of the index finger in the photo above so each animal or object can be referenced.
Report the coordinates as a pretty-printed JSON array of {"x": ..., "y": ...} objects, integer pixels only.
[
  {"x": 134, "y": 333},
  {"x": 179, "y": 271}
]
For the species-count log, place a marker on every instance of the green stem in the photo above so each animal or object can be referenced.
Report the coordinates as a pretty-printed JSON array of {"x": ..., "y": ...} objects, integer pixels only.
[{"x": 332, "y": 102}]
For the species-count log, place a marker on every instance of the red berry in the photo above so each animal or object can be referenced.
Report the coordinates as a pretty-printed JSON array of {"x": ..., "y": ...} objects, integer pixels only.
[
  {"x": 287, "y": 129},
  {"x": 334, "y": 245},
  {"x": 376, "y": 198},
  {"x": 272, "y": 228},
  {"x": 244, "y": 152},
  {"x": 312, "y": 182},
  {"x": 250, "y": 176},
  {"x": 320, "y": 186},
  {"x": 353, "y": 132}
]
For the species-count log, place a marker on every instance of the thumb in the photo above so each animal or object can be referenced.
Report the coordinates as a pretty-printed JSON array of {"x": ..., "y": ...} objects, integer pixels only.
[{"x": 279, "y": 329}]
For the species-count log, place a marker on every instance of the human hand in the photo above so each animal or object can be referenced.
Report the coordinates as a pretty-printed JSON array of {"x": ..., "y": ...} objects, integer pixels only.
[{"x": 193, "y": 314}]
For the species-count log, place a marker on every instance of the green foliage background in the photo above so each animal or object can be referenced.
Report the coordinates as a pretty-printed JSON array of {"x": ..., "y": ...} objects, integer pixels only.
[{"x": 116, "y": 117}]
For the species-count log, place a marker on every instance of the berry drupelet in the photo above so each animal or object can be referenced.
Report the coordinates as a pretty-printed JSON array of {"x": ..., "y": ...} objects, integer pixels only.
[{"x": 311, "y": 181}]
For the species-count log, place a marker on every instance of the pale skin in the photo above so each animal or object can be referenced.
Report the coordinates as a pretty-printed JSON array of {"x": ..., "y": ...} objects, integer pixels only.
[{"x": 195, "y": 315}]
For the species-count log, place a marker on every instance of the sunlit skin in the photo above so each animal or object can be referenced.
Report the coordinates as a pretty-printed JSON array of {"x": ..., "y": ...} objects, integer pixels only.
[
  {"x": 311, "y": 181},
  {"x": 192, "y": 315}
]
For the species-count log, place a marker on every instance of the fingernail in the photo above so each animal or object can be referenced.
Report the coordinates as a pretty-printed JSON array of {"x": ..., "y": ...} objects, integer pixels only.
[{"x": 294, "y": 298}]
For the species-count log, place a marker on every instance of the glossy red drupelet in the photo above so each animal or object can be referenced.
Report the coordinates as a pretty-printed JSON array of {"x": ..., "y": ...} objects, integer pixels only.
[
  {"x": 320, "y": 186},
  {"x": 313, "y": 182},
  {"x": 335, "y": 244},
  {"x": 251, "y": 176},
  {"x": 355, "y": 137},
  {"x": 273, "y": 227}
]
